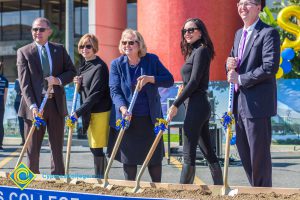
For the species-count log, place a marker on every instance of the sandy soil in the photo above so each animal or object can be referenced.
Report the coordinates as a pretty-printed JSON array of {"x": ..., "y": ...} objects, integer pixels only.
[{"x": 149, "y": 192}]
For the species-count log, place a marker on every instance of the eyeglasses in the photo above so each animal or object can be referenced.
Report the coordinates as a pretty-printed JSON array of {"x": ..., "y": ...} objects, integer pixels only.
[
  {"x": 129, "y": 42},
  {"x": 39, "y": 29},
  {"x": 88, "y": 46},
  {"x": 247, "y": 4},
  {"x": 189, "y": 30}
]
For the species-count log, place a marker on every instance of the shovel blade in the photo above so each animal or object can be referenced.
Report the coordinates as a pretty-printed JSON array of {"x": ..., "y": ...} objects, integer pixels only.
[
  {"x": 106, "y": 185},
  {"x": 228, "y": 191},
  {"x": 134, "y": 190}
]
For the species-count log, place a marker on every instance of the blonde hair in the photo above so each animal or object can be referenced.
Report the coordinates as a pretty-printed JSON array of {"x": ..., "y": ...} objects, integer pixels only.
[
  {"x": 92, "y": 39},
  {"x": 138, "y": 38}
]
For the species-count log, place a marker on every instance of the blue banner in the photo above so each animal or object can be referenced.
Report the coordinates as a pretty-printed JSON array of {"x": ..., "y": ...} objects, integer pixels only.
[{"x": 13, "y": 193}]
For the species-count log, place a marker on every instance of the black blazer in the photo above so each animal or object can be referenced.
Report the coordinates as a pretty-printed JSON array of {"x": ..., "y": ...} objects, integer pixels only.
[
  {"x": 94, "y": 90},
  {"x": 257, "y": 92}
]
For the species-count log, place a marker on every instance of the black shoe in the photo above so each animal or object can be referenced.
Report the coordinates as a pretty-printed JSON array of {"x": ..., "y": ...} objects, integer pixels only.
[
  {"x": 1, "y": 148},
  {"x": 100, "y": 164},
  {"x": 216, "y": 173},
  {"x": 187, "y": 174},
  {"x": 22, "y": 143}
]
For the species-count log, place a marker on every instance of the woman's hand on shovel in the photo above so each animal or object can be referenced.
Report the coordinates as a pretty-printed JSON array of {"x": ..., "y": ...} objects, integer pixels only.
[
  {"x": 172, "y": 112},
  {"x": 125, "y": 113}
]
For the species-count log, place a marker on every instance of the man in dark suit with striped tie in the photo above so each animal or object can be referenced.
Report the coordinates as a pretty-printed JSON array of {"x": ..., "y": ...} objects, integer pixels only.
[
  {"x": 252, "y": 65},
  {"x": 42, "y": 64}
]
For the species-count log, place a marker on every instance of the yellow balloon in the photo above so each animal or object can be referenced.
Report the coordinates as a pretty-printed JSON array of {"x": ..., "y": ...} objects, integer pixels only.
[
  {"x": 283, "y": 21},
  {"x": 279, "y": 73},
  {"x": 280, "y": 61}
]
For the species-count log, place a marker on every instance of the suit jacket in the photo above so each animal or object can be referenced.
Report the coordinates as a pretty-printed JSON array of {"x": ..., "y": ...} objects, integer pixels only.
[
  {"x": 258, "y": 93},
  {"x": 30, "y": 75},
  {"x": 121, "y": 90}
]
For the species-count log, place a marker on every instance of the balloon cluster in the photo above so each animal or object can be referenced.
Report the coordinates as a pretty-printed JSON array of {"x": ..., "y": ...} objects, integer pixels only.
[
  {"x": 285, "y": 62},
  {"x": 288, "y": 47}
]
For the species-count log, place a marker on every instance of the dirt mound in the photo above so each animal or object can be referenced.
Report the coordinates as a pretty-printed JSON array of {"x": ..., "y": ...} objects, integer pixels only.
[{"x": 148, "y": 192}]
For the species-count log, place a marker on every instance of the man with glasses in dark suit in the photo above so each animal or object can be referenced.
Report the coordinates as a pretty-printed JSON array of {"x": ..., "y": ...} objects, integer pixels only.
[
  {"x": 252, "y": 65},
  {"x": 44, "y": 64}
]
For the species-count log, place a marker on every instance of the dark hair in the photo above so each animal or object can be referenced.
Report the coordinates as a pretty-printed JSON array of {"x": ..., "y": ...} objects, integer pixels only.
[
  {"x": 186, "y": 48},
  {"x": 256, "y": 1}
]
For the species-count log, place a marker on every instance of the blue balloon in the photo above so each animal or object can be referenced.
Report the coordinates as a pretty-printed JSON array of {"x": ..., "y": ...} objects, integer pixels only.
[
  {"x": 288, "y": 54},
  {"x": 233, "y": 140},
  {"x": 286, "y": 66}
]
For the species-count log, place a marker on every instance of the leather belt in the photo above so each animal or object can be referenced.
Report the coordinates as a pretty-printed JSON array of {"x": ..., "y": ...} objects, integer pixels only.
[{"x": 50, "y": 96}]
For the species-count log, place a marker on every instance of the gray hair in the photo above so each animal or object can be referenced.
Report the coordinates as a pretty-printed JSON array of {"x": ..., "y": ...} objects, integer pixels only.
[{"x": 42, "y": 19}]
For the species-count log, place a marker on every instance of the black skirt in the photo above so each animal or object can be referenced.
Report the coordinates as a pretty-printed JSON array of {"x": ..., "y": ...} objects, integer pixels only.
[{"x": 136, "y": 143}]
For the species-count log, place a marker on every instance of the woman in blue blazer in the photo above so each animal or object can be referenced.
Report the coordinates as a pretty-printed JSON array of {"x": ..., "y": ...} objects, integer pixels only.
[{"x": 135, "y": 64}]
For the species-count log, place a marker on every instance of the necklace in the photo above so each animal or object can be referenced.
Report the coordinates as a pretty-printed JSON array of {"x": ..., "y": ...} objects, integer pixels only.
[{"x": 134, "y": 64}]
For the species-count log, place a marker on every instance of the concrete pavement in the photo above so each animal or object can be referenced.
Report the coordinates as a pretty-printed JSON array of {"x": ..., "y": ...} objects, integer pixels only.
[{"x": 286, "y": 164}]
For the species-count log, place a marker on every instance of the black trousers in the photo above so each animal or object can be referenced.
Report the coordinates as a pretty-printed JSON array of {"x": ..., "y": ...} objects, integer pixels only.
[
  {"x": 253, "y": 140},
  {"x": 196, "y": 129},
  {"x": 1, "y": 125},
  {"x": 20, "y": 120}
]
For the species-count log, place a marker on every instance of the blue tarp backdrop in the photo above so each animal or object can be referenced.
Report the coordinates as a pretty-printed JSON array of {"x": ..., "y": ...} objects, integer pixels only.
[{"x": 287, "y": 120}]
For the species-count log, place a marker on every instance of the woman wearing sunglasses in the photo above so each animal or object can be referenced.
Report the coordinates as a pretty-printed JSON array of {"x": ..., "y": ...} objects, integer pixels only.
[
  {"x": 198, "y": 51},
  {"x": 135, "y": 64},
  {"x": 95, "y": 100}
]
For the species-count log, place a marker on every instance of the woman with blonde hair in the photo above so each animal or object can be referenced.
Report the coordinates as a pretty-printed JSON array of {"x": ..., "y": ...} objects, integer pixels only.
[
  {"x": 95, "y": 100},
  {"x": 134, "y": 65}
]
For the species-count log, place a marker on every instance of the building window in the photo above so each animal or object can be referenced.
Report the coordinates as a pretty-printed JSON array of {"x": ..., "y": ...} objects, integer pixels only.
[
  {"x": 16, "y": 17},
  {"x": 10, "y": 21},
  {"x": 132, "y": 15},
  {"x": 29, "y": 11},
  {"x": 81, "y": 18}
]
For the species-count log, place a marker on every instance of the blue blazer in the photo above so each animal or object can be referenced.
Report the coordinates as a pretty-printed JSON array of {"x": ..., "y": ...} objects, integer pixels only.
[
  {"x": 121, "y": 90},
  {"x": 260, "y": 62}
]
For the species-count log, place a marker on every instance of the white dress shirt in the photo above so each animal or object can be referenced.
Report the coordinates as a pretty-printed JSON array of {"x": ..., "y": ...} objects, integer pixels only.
[{"x": 249, "y": 32}]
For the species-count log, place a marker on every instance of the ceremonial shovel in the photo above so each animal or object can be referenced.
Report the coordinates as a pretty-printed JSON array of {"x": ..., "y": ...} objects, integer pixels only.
[
  {"x": 70, "y": 122},
  {"x": 34, "y": 125},
  {"x": 119, "y": 139},
  {"x": 226, "y": 189},
  {"x": 162, "y": 126}
]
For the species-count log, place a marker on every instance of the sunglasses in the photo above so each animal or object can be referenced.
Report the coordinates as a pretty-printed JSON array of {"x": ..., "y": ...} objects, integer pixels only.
[
  {"x": 88, "y": 46},
  {"x": 189, "y": 30},
  {"x": 129, "y": 42},
  {"x": 39, "y": 29}
]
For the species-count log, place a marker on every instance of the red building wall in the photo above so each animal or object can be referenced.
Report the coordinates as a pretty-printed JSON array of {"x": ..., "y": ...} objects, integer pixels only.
[
  {"x": 110, "y": 21},
  {"x": 160, "y": 22}
]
